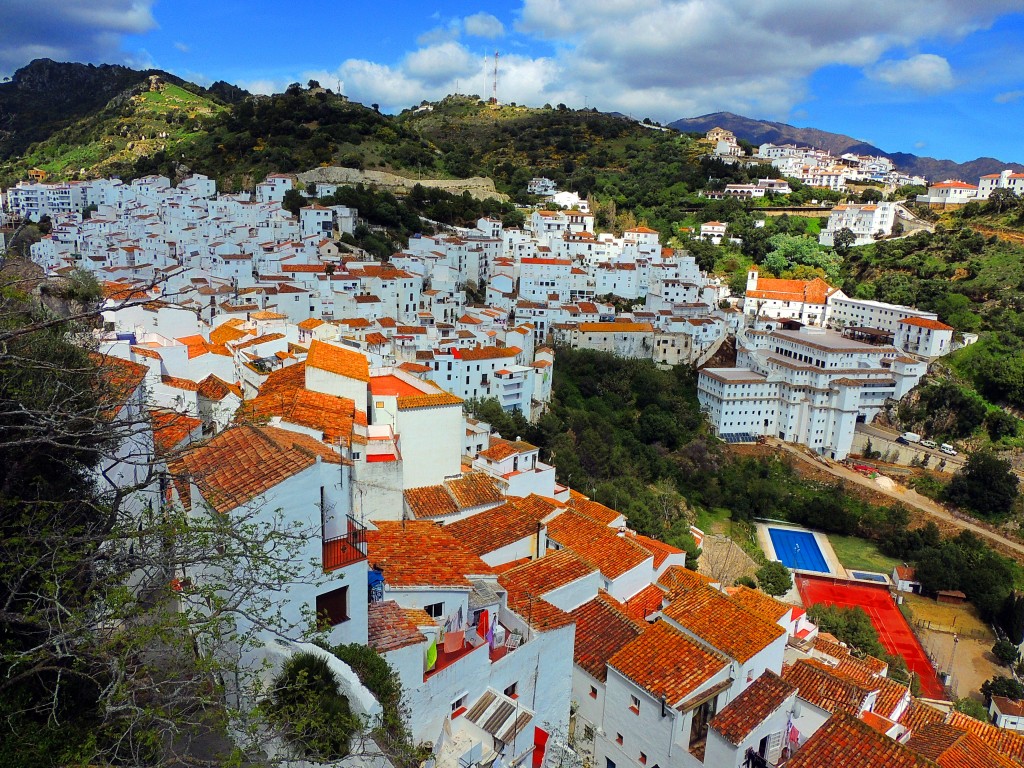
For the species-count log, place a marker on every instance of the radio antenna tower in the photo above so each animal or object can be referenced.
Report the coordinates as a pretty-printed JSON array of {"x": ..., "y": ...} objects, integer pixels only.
[{"x": 494, "y": 89}]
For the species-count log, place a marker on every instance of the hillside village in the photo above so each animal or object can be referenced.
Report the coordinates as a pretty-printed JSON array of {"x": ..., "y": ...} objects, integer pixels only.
[{"x": 284, "y": 370}]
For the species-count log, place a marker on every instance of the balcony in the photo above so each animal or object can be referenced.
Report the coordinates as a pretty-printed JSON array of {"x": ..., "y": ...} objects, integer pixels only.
[{"x": 349, "y": 548}]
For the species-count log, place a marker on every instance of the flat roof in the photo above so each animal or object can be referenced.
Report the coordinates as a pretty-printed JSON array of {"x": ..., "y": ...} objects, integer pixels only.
[
  {"x": 734, "y": 374},
  {"x": 392, "y": 385},
  {"x": 825, "y": 340}
]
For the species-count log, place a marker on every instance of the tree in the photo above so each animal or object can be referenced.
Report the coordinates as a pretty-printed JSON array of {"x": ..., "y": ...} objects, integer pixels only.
[
  {"x": 1002, "y": 686},
  {"x": 1001, "y": 199},
  {"x": 774, "y": 578},
  {"x": 986, "y": 485},
  {"x": 843, "y": 240},
  {"x": 972, "y": 708},
  {"x": 1005, "y": 651},
  {"x": 293, "y": 201},
  {"x": 1000, "y": 424}
]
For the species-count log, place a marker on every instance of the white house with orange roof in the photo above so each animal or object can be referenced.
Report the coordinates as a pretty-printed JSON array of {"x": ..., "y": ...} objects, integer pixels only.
[
  {"x": 1007, "y": 179},
  {"x": 621, "y": 338},
  {"x": 951, "y": 193},
  {"x": 756, "y": 721},
  {"x": 518, "y": 464},
  {"x": 713, "y": 231},
  {"x": 768, "y": 298},
  {"x": 924, "y": 336}
]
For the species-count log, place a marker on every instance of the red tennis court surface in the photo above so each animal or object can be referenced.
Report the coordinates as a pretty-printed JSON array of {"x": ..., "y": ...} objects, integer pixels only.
[{"x": 893, "y": 631}]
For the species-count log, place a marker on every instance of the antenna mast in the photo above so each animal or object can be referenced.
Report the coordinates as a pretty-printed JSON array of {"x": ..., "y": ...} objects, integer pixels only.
[{"x": 494, "y": 90}]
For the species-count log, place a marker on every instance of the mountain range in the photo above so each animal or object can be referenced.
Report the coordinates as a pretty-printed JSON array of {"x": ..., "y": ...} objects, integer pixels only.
[{"x": 761, "y": 131}]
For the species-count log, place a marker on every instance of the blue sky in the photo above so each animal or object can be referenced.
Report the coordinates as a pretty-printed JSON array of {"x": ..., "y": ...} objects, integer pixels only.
[{"x": 934, "y": 77}]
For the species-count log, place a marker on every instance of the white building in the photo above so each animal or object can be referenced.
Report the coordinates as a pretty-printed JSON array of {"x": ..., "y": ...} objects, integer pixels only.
[
  {"x": 924, "y": 336},
  {"x": 949, "y": 193},
  {"x": 1004, "y": 180},
  {"x": 867, "y": 222},
  {"x": 810, "y": 386},
  {"x": 805, "y": 301}
]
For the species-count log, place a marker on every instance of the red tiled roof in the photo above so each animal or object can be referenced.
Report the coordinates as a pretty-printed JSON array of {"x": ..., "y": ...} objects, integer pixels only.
[
  {"x": 814, "y": 291},
  {"x": 243, "y": 462},
  {"x": 170, "y": 429},
  {"x": 430, "y": 501},
  {"x": 489, "y": 353},
  {"x": 592, "y": 509},
  {"x": 925, "y": 322},
  {"x": 500, "y": 449},
  {"x": 919, "y": 714},
  {"x": 474, "y": 489},
  {"x": 284, "y": 394},
  {"x": 665, "y": 662},
  {"x": 752, "y": 707},
  {"x": 598, "y": 544},
  {"x": 338, "y": 360},
  {"x": 824, "y": 689},
  {"x": 601, "y": 631},
  {"x": 500, "y": 526},
  {"x": 755, "y": 601},
  {"x": 846, "y": 741},
  {"x": 678, "y": 578},
  {"x": 389, "y": 627},
  {"x": 621, "y": 326},
  {"x": 954, "y": 748},
  {"x": 723, "y": 623},
  {"x": 645, "y": 602},
  {"x": 419, "y": 553},
  {"x": 1005, "y": 741},
  {"x": 538, "y": 577},
  {"x": 178, "y": 383},
  {"x": 215, "y": 388},
  {"x": 659, "y": 549}
]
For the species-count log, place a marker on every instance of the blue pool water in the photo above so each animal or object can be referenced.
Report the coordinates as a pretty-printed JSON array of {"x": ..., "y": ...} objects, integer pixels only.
[
  {"x": 798, "y": 549},
  {"x": 868, "y": 576}
]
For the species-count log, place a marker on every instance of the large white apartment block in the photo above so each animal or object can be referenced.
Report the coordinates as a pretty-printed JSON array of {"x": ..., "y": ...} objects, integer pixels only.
[
  {"x": 33, "y": 201},
  {"x": 867, "y": 222},
  {"x": 924, "y": 336},
  {"x": 810, "y": 386},
  {"x": 805, "y": 301}
]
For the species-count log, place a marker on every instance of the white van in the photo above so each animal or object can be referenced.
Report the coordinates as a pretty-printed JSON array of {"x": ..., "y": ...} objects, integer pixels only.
[{"x": 947, "y": 449}]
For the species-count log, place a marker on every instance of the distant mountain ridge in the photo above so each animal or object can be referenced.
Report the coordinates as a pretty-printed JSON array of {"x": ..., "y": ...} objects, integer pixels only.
[
  {"x": 45, "y": 96},
  {"x": 761, "y": 131}
]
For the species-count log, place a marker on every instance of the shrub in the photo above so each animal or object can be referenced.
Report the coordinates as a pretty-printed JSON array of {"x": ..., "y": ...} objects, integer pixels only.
[{"x": 307, "y": 706}]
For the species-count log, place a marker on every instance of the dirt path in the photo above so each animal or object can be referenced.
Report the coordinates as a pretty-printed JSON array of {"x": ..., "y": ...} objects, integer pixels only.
[
  {"x": 948, "y": 521},
  {"x": 1009, "y": 236}
]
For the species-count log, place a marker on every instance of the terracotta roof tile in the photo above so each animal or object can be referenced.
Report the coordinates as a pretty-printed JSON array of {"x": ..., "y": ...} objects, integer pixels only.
[
  {"x": 846, "y": 741},
  {"x": 723, "y": 623},
  {"x": 1005, "y": 741},
  {"x": 593, "y": 509},
  {"x": 215, "y": 388},
  {"x": 955, "y": 748},
  {"x": 538, "y": 577},
  {"x": 602, "y": 629},
  {"x": 431, "y": 400},
  {"x": 814, "y": 291},
  {"x": 924, "y": 322},
  {"x": 598, "y": 544},
  {"x": 419, "y": 553},
  {"x": 824, "y": 689},
  {"x": 500, "y": 449},
  {"x": 753, "y": 706},
  {"x": 756, "y": 601},
  {"x": 178, "y": 383},
  {"x": 389, "y": 627},
  {"x": 475, "y": 489},
  {"x": 146, "y": 352},
  {"x": 665, "y": 662},
  {"x": 243, "y": 462},
  {"x": 430, "y": 501},
  {"x": 645, "y": 602},
  {"x": 677, "y": 579},
  {"x": 659, "y": 549},
  {"x": 170, "y": 429},
  {"x": 284, "y": 395},
  {"x": 489, "y": 353},
  {"x": 338, "y": 360},
  {"x": 919, "y": 714},
  {"x": 492, "y": 529}
]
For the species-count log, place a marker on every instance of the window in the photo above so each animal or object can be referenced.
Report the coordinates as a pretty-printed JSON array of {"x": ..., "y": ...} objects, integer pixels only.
[
  {"x": 608, "y": 763},
  {"x": 643, "y": 759},
  {"x": 457, "y": 704},
  {"x": 618, "y": 738},
  {"x": 512, "y": 691},
  {"x": 332, "y": 607},
  {"x": 434, "y": 610},
  {"x": 593, "y": 691},
  {"x": 634, "y": 705}
]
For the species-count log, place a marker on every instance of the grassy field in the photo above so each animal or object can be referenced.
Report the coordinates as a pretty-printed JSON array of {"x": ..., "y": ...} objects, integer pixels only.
[{"x": 861, "y": 554}]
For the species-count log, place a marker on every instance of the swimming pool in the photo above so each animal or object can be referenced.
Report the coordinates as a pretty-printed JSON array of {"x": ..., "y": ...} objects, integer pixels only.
[
  {"x": 863, "y": 576},
  {"x": 798, "y": 550}
]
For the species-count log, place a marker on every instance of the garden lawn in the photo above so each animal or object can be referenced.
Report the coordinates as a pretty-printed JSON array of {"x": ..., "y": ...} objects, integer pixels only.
[{"x": 860, "y": 554}]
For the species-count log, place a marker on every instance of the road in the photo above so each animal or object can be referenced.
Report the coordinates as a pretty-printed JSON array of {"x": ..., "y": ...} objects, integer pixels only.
[
  {"x": 953, "y": 463},
  {"x": 910, "y": 498}
]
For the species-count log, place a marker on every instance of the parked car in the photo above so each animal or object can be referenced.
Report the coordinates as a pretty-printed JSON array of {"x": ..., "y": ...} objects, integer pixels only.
[
  {"x": 929, "y": 444},
  {"x": 947, "y": 449},
  {"x": 909, "y": 437}
]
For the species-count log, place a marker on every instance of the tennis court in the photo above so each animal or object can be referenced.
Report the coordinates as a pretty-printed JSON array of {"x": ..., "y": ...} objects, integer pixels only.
[
  {"x": 893, "y": 631},
  {"x": 798, "y": 550}
]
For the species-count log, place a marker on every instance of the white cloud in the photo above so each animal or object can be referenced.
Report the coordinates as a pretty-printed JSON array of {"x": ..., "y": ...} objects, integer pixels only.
[
  {"x": 925, "y": 72},
  {"x": 182, "y": 46},
  {"x": 483, "y": 25},
  {"x": 1008, "y": 97},
  {"x": 70, "y": 31},
  {"x": 667, "y": 59}
]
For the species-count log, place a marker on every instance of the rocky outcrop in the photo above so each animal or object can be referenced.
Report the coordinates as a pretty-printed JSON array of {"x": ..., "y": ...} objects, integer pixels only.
[{"x": 478, "y": 186}]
